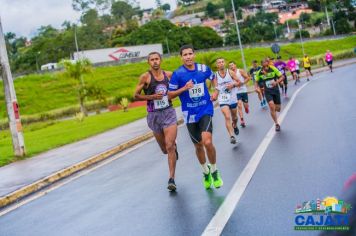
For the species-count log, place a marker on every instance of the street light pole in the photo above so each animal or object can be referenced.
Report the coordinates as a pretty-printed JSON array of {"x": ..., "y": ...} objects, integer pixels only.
[
  {"x": 275, "y": 32},
  {"x": 12, "y": 107},
  {"x": 327, "y": 15},
  {"x": 76, "y": 40},
  {"x": 37, "y": 66},
  {"x": 169, "y": 53},
  {"x": 300, "y": 35},
  {"x": 238, "y": 35},
  {"x": 333, "y": 24}
]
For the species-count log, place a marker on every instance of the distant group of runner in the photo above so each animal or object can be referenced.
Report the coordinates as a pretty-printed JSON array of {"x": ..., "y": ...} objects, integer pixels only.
[{"x": 229, "y": 89}]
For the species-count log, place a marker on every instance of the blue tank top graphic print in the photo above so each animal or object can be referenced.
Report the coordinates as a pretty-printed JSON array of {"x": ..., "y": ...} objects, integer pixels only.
[{"x": 196, "y": 101}]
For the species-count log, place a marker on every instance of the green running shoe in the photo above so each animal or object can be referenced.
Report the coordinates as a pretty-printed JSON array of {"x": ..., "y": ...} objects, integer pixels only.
[
  {"x": 217, "y": 181},
  {"x": 207, "y": 179}
]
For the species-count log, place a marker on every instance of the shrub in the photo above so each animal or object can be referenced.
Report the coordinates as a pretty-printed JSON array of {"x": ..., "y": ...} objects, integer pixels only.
[{"x": 125, "y": 104}]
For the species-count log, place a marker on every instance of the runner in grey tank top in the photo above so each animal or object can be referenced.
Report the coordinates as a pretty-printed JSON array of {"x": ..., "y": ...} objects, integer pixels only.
[{"x": 161, "y": 117}]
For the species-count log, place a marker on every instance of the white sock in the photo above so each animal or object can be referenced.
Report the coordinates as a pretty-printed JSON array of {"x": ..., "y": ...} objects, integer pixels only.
[
  {"x": 213, "y": 168},
  {"x": 205, "y": 168}
]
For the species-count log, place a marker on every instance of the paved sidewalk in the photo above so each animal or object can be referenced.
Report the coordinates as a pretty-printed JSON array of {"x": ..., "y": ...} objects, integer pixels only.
[
  {"x": 22, "y": 173},
  {"x": 19, "y": 174}
]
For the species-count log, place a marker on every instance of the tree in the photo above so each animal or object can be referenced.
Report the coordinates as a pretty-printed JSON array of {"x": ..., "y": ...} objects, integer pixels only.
[
  {"x": 85, "y": 5},
  {"x": 204, "y": 37},
  {"x": 237, "y": 4},
  {"x": 122, "y": 11},
  {"x": 156, "y": 31},
  {"x": 166, "y": 7},
  {"x": 157, "y": 13},
  {"x": 90, "y": 18},
  {"x": 211, "y": 9},
  {"x": 304, "y": 33},
  {"x": 305, "y": 18},
  {"x": 76, "y": 71},
  {"x": 342, "y": 26}
]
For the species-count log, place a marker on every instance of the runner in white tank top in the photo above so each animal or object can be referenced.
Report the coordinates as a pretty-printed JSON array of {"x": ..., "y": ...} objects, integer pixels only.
[
  {"x": 226, "y": 96},
  {"x": 242, "y": 95},
  {"x": 227, "y": 83}
]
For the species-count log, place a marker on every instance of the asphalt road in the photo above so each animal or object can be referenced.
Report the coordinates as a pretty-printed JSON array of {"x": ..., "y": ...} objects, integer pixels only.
[{"x": 312, "y": 157}]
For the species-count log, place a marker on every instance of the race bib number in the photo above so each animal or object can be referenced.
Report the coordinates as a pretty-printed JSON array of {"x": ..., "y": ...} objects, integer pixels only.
[
  {"x": 160, "y": 104},
  {"x": 269, "y": 83},
  {"x": 197, "y": 91},
  {"x": 224, "y": 98}
]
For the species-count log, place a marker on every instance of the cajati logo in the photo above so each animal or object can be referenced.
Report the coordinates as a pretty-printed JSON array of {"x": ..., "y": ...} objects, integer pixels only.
[
  {"x": 122, "y": 54},
  {"x": 327, "y": 214}
]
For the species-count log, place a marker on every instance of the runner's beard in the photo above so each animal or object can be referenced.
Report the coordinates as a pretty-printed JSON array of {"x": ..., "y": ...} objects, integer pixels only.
[{"x": 155, "y": 67}]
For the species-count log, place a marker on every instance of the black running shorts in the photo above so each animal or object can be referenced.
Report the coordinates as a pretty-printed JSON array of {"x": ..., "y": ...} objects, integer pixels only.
[
  {"x": 205, "y": 124},
  {"x": 243, "y": 97},
  {"x": 274, "y": 96}
]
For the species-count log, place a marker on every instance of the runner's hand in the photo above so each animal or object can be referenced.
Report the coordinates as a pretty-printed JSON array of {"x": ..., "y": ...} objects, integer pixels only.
[
  {"x": 189, "y": 85},
  {"x": 230, "y": 86},
  {"x": 274, "y": 84},
  {"x": 214, "y": 96},
  {"x": 239, "y": 84},
  {"x": 157, "y": 96}
]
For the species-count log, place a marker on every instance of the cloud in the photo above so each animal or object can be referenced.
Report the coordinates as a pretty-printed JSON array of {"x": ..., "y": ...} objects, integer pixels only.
[{"x": 25, "y": 17}]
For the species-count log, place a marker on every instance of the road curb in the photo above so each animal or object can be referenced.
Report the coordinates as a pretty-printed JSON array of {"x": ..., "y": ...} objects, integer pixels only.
[{"x": 59, "y": 175}]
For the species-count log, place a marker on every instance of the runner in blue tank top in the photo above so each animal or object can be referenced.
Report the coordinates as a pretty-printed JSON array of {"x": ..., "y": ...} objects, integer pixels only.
[{"x": 188, "y": 82}]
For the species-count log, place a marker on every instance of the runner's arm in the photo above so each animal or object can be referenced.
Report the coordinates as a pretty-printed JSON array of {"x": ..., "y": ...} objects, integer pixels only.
[
  {"x": 215, "y": 94},
  {"x": 175, "y": 93},
  {"x": 234, "y": 77},
  {"x": 279, "y": 74},
  {"x": 169, "y": 74},
  {"x": 140, "y": 97},
  {"x": 246, "y": 76}
]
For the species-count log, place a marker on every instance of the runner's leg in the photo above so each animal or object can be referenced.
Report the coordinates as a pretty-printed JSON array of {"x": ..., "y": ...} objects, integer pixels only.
[
  {"x": 170, "y": 134},
  {"x": 226, "y": 112},
  {"x": 161, "y": 141}
]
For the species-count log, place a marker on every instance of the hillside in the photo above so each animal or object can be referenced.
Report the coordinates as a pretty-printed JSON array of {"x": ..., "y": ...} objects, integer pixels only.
[{"x": 42, "y": 93}]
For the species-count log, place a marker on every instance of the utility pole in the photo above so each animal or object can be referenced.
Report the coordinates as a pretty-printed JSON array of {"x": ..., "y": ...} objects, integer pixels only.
[
  {"x": 327, "y": 15},
  {"x": 12, "y": 106},
  {"x": 300, "y": 35},
  {"x": 169, "y": 52},
  {"x": 76, "y": 40},
  {"x": 238, "y": 35},
  {"x": 333, "y": 24}
]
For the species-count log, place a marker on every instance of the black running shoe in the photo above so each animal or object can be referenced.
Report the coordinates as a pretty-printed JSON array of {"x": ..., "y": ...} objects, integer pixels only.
[
  {"x": 278, "y": 127},
  {"x": 232, "y": 140},
  {"x": 236, "y": 130},
  {"x": 171, "y": 185}
]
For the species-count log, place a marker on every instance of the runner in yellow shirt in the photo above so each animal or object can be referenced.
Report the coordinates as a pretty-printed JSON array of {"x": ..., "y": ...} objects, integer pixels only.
[{"x": 307, "y": 66}]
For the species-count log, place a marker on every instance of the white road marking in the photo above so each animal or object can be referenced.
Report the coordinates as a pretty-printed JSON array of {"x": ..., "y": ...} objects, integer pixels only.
[{"x": 219, "y": 220}]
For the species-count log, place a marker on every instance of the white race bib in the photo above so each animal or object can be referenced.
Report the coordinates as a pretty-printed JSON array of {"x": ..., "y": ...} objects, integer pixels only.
[
  {"x": 160, "y": 104},
  {"x": 269, "y": 83},
  {"x": 197, "y": 91},
  {"x": 224, "y": 98}
]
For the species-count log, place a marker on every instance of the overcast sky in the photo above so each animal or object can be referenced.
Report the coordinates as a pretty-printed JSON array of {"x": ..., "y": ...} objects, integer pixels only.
[{"x": 24, "y": 17}]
